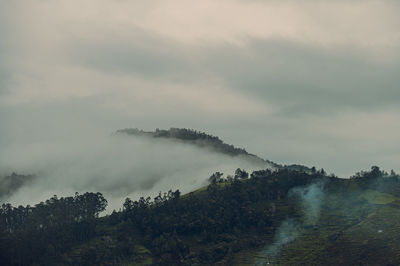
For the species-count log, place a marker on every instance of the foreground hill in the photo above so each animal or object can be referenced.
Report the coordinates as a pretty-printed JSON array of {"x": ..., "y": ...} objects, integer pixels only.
[{"x": 280, "y": 217}]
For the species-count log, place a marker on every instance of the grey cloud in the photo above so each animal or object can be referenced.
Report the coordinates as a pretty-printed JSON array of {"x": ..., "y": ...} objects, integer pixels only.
[
  {"x": 128, "y": 58},
  {"x": 295, "y": 77},
  {"x": 307, "y": 79},
  {"x": 4, "y": 79},
  {"x": 5, "y": 36},
  {"x": 140, "y": 53}
]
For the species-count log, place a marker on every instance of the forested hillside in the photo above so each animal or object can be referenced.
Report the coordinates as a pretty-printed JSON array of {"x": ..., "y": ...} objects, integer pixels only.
[
  {"x": 189, "y": 136},
  {"x": 282, "y": 217},
  {"x": 206, "y": 141},
  {"x": 199, "y": 139}
]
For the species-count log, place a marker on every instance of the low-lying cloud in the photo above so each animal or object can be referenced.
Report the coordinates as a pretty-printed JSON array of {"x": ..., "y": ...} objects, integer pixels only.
[{"x": 117, "y": 166}]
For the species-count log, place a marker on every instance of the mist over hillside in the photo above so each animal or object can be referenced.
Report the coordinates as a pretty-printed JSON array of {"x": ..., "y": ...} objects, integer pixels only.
[
  {"x": 117, "y": 165},
  {"x": 183, "y": 197},
  {"x": 200, "y": 140}
]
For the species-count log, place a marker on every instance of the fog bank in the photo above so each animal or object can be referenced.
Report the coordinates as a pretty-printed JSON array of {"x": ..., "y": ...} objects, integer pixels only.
[{"x": 117, "y": 166}]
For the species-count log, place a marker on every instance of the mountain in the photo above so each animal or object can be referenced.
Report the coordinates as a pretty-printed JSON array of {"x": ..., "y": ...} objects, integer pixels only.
[
  {"x": 189, "y": 136},
  {"x": 205, "y": 141},
  {"x": 11, "y": 184},
  {"x": 288, "y": 215}
]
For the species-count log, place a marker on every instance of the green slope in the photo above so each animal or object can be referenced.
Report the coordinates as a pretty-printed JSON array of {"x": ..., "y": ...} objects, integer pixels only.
[{"x": 283, "y": 217}]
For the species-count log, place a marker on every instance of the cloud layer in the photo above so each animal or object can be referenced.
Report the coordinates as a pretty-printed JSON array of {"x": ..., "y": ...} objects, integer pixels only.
[{"x": 117, "y": 166}]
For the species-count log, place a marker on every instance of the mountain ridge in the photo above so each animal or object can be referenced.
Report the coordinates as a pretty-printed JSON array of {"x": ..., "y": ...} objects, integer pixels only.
[{"x": 203, "y": 140}]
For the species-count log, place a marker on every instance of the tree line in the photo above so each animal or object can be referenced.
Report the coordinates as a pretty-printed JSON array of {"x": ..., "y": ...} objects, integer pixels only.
[{"x": 203, "y": 227}]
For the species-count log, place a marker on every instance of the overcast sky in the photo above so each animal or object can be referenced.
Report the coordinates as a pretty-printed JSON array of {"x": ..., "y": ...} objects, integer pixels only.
[{"x": 308, "y": 82}]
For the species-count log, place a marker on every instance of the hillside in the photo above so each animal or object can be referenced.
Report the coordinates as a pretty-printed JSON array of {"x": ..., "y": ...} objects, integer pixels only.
[
  {"x": 205, "y": 141},
  {"x": 199, "y": 139},
  {"x": 282, "y": 217}
]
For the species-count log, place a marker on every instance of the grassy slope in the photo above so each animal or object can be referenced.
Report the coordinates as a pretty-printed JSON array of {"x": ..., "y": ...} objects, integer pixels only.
[{"x": 361, "y": 232}]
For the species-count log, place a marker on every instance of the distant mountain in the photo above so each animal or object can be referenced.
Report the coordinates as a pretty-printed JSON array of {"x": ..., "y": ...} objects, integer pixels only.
[
  {"x": 190, "y": 136},
  {"x": 206, "y": 141}
]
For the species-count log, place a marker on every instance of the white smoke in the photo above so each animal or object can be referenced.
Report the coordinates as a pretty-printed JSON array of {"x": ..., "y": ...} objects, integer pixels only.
[{"x": 310, "y": 200}]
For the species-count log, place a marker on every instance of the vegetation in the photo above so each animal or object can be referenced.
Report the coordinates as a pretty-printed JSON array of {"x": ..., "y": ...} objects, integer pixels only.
[
  {"x": 282, "y": 217},
  {"x": 203, "y": 140},
  {"x": 197, "y": 138},
  {"x": 190, "y": 136}
]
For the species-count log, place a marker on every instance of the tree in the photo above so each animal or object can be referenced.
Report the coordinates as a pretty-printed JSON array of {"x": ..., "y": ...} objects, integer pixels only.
[
  {"x": 241, "y": 174},
  {"x": 215, "y": 178}
]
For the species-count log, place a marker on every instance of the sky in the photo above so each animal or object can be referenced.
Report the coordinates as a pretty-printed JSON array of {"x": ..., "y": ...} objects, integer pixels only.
[{"x": 311, "y": 82}]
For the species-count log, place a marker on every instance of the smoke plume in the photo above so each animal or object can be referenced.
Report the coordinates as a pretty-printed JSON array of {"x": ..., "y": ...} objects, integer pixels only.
[{"x": 310, "y": 199}]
